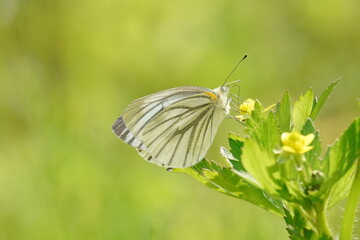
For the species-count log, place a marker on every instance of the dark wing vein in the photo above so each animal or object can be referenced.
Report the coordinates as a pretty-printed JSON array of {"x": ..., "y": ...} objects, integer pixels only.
[
  {"x": 161, "y": 109},
  {"x": 191, "y": 139},
  {"x": 162, "y": 100},
  {"x": 207, "y": 125},
  {"x": 176, "y": 148},
  {"x": 182, "y": 131},
  {"x": 190, "y": 110}
]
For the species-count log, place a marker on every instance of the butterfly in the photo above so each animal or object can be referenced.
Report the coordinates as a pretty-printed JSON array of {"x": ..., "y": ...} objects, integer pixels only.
[{"x": 174, "y": 128}]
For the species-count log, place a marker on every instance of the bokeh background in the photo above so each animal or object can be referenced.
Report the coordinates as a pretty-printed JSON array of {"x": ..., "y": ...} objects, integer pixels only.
[{"x": 69, "y": 68}]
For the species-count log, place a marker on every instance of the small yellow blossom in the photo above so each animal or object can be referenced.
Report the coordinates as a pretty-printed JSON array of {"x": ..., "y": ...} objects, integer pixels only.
[
  {"x": 294, "y": 142},
  {"x": 247, "y": 107}
]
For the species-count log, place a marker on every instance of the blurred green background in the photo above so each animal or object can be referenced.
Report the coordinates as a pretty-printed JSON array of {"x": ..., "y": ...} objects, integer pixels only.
[{"x": 69, "y": 68}]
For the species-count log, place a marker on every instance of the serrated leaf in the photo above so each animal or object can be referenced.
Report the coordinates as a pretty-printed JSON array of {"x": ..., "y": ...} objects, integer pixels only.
[
  {"x": 283, "y": 113},
  {"x": 270, "y": 135},
  {"x": 264, "y": 130},
  {"x": 258, "y": 113},
  {"x": 302, "y": 110},
  {"x": 228, "y": 182},
  {"x": 297, "y": 227},
  {"x": 341, "y": 156},
  {"x": 236, "y": 144},
  {"x": 279, "y": 204},
  {"x": 320, "y": 103},
  {"x": 340, "y": 190},
  {"x": 227, "y": 154},
  {"x": 234, "y": 163}
]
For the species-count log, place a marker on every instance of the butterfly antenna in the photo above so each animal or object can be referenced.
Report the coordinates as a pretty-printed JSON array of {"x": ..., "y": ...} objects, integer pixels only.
[{"x": 234, "y": 69}]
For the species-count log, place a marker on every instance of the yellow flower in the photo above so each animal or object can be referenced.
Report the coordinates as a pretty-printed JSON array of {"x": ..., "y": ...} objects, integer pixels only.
[
  {"x": 294, "y": 142},
  {"x": 245, "y": 109},
  {"x": 247, "y": 106}
]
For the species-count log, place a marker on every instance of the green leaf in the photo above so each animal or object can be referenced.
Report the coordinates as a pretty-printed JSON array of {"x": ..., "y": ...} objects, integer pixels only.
[
  {"x": 234, "y": 163},
  {"x": 283, "y": 113},
  {"x": 277, "y": 202},
  {"x": 319, "y": 104},
  {"x": 234, "y": 155},
  {"x": 292, "y": 189},
  {"x": 236, "y": 144},
  {"x": 230, "y": 183},
  {"x": 264, "y": 129},
  {"x": 340, "y": 190},
  {"x": 296, "y": 225},
  {"x": 341, "y": 156},
  {"x": 260, "y": 165},
  {"x": 302, "y": 110},
  {"x": 258, "y": 114}
]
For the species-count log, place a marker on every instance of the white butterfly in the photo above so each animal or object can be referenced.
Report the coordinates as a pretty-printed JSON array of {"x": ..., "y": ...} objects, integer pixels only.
[{"x": 174, "y": 128}]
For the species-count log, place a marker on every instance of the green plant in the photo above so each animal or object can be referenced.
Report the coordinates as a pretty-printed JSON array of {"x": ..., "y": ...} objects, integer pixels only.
[{"x": 276, "y": 163}]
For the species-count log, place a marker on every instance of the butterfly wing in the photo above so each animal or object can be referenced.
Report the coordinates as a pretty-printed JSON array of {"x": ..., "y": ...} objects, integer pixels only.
[{"x": 173, "y": 128}]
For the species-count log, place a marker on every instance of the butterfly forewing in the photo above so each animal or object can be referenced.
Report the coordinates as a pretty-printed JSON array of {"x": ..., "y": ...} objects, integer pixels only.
[{"x": 172, "y": 128}]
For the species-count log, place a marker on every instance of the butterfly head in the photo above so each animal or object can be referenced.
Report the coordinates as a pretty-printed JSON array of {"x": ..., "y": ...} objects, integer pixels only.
[
  {"x": 224, "y": 90},
  {"x": 221, "y": 92},
  {"x": 222, "y": 98}
]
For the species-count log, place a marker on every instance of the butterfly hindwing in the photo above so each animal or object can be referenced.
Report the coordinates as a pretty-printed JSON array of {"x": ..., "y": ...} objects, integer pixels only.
[{"x": 121, "y": 130}]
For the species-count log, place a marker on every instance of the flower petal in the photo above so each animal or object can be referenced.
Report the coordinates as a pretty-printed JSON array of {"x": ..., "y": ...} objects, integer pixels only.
[
  {"x": 285, "y": 137},
  {"x": 309, "y": 138},
  {"x": 288, "y": 149},
  {"x": 305, "y": 149}
]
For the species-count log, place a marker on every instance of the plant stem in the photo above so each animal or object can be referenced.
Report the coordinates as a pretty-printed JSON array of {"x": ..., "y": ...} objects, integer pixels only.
[
  {"x": 351, "y": 205},
  {"x": 321, "y": 220},
  {"x": 302, "y": 168}
]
